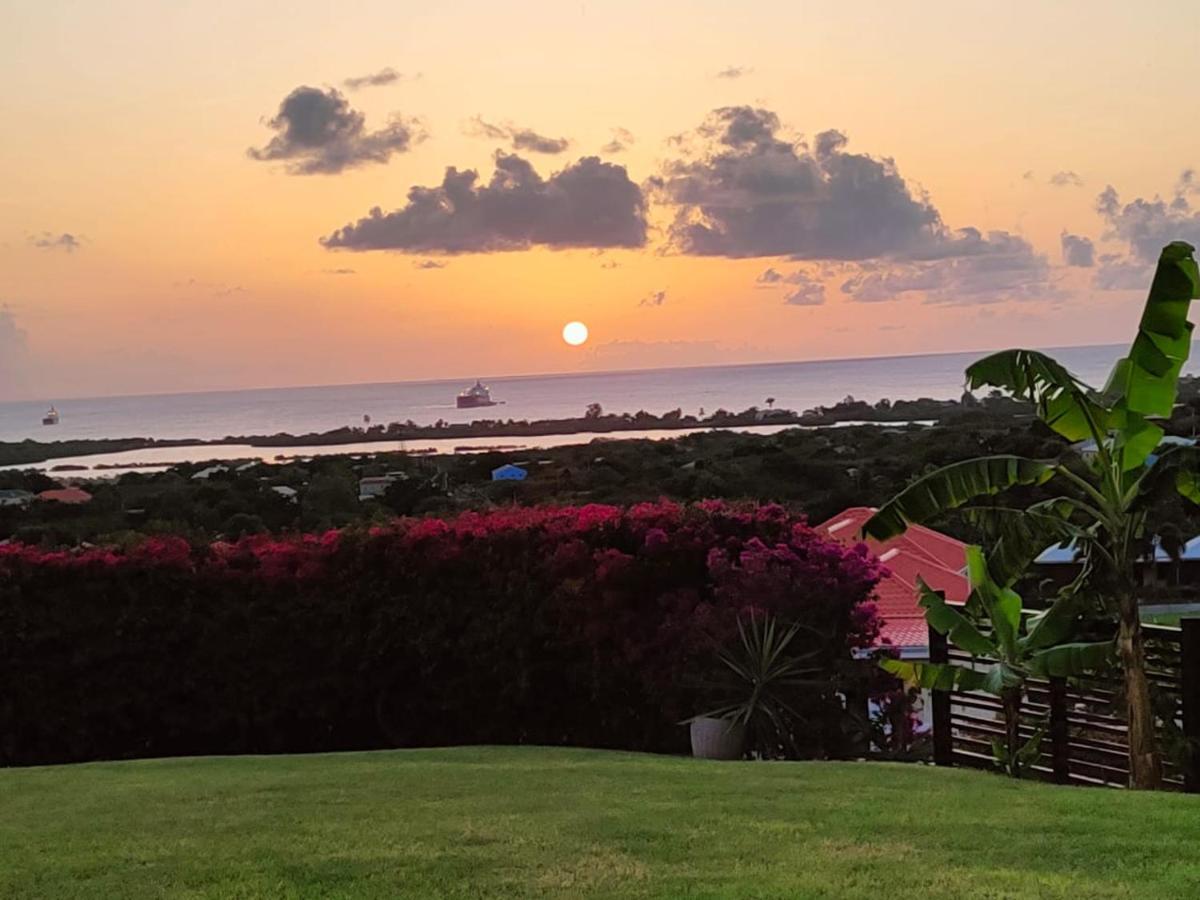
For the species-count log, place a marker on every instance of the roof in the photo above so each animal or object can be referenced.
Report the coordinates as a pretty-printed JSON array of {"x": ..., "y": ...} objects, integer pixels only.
[
  {"x": 938, "y": 559},
  {"x": 66, "y": 495},
  {"x": 1064, "y": 554},
  {"x": 508, "y": 469},
  {"x": 15, "y": 494}
]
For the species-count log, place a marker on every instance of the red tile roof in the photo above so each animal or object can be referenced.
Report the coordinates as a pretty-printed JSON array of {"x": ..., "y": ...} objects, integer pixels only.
[
  {"x": 937, "y": 558},
  {"x": 66, "y": 495}
]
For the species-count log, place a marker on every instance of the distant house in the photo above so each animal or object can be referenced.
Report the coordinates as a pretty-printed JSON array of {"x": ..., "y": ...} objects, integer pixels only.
[
  {"x": 205, "y": 474},
  {"x": 287, "y": 493},
  {"x": 375, "y": 486},
  {"x": 70, "y": 495},
  {"x": 15, "y": 498},
  {"x": 509, "y": 472},
  {"x": 936, "y": 558}
]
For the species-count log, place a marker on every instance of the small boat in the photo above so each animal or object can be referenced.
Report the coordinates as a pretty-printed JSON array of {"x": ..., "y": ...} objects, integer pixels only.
[
  {"x": 475, "y": 396},
  {"x": 51, "y": 417}
]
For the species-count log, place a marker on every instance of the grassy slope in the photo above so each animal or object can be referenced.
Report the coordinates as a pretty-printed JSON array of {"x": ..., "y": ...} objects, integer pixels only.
[{"x": 504, "y": 822}]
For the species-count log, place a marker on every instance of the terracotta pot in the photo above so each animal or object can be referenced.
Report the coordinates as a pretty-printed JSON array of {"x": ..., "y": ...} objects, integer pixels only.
[{"x": 717, "y": 738}]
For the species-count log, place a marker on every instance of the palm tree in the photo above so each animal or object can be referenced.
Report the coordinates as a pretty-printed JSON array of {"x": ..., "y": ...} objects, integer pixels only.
[
  {"x": 1105, "y": 496},
  {"x": 1038, "y": 647}
]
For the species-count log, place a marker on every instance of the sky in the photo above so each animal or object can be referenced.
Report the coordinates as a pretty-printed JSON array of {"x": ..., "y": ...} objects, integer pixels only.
[{"x": 207, "y": 195}]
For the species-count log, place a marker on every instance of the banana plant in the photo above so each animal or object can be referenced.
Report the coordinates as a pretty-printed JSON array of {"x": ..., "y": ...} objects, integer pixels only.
[
  {"x": 1105, "y": 495},
  {"x": 990, "y": 628}
]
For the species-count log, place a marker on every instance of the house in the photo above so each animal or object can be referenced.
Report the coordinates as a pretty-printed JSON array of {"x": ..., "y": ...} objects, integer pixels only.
[
  {"x": 205, "y": 474},
  {"x": 509, "y": 472},
  {"x": 375, "y": 486},
  {"x": 70, "y": 495},
  {"x": 16, "y": 498},
  {"x": 287, "y": 493},
  {"x": 938, "y": 559}
]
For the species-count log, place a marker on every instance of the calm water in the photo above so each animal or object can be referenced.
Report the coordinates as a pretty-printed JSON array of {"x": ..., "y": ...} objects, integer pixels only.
[{"x": 796, "y": 386}]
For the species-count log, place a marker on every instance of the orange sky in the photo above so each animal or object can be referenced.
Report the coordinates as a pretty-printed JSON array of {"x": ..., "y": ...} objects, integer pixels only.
[{"x": 192, "y": 265}]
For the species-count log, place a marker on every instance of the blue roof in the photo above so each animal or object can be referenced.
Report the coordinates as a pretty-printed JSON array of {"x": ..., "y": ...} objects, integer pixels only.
[{"x": 509, "y": 472}]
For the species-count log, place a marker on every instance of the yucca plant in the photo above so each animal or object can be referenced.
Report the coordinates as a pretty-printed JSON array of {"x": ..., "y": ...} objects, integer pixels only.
[
  {"x": 989, "y": 627},
  {"x": 1107, "y": 494},
  {"x": 770, "y": 676}
]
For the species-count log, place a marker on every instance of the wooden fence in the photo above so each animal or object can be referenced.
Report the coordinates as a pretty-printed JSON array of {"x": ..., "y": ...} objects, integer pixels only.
[{"x": 1085, "y": 738}]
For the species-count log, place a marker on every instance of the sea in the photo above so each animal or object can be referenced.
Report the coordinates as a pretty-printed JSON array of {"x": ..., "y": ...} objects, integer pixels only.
[{"x": 304, "y": 410}]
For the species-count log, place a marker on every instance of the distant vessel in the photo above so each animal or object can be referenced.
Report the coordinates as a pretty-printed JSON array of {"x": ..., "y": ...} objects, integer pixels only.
[
  {"x": 475, "y": 396},
  {"x": 51, "y": 417}
]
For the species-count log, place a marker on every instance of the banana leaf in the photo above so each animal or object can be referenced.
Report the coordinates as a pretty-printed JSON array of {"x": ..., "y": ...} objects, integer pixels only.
[
  {"x": 951, "y": 487},
  {"x": 945, "y": 619},
  {"x": 1018, "y": 536},
  {"x": 1002, "y": 604},
  {"x": 939, "y": 676},
  {"x": 1052, "y": 626},
  {"x": 1070, "y": 660},
  {"x": 1062, "y": 401}
]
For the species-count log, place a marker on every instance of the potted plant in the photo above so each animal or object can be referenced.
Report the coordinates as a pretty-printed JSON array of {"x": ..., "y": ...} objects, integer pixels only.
[{"x": 759, "y": 714}]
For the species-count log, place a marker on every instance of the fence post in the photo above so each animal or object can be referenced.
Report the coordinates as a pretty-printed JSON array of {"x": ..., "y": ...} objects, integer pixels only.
[
  {"x": 1060, "y": 740},
  {"x": 943, "y": 735},
  {"x": 1189, "y": 695}
]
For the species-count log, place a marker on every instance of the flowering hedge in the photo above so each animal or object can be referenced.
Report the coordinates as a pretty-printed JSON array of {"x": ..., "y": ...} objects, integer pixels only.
[{"x": 593, "y": 625}]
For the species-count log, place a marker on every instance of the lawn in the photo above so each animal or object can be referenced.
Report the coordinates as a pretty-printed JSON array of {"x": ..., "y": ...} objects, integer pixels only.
[{"x": 512, "y": 822}]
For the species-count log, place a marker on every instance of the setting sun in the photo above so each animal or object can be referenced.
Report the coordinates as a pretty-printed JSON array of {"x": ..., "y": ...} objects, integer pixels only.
[{"x": 575, "y": 333}]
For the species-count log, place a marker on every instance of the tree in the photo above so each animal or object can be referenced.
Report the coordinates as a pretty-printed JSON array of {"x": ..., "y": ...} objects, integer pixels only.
[
  {"x": 1106, "y": 492},
  {"x": 1039, "y": 647},
  {"x": 593, "y": 411}
]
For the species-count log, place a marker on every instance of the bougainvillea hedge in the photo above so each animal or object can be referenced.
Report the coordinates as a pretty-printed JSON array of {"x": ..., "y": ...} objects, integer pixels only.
[{"x": 593, "y": 625}]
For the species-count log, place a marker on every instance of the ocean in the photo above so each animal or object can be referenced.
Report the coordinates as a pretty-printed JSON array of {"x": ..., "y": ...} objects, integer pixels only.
[{"x": 302, "y": 410}]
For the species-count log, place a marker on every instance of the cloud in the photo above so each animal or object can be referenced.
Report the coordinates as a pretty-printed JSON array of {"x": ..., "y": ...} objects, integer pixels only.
[
  {"x": 1009, "y": 270},
  {"x": 739, "y": 189},
  {"x": 621, "y": 140},
  {"x": 589, "y": 203},
  {"x": 1066, "y": 179},
  {"x": 64, "y": 241},
  {"x": 769, "y": 276},
  {"x": 1149, "y": 225},
  {"x": 429, "y": 264},
  {"x": 1078, "y": 251},
  {"x": 14, "y": 355},
  {"x": 610, "y": 264},
  {"x": 519, "y": 138},
  {"x": 1120, "y": 273},
  {"x": 216, "y": 288},
  {"x": 340, "y": 272},
  {"x": 318, "y": 133},
  {"x": 734, "y": 72},
  {"x": 807, "y": 291},
  {"x": 654, "y": 298},
  {"x": 373, "y": 79}
]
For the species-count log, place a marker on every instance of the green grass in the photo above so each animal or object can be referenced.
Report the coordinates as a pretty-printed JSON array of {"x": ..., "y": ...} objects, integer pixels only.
[{"x": 511, "y": 822}]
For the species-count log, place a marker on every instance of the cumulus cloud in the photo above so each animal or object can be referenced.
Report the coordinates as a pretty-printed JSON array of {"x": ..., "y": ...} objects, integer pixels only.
[
  {"x": 769, "y": 276},
  {"x": 373, "y": 79},
  {"x": 654, "y": 298},
  {"x": 740, "y": 189},
  {"x": 429, "y": 264},
  {"x": 806, "y": 292},
  {"x": 622, "y": 138},
  {"x": 1149, "y": 225},
  {"x": 1120, "y": 273},
  {"x": 64, "y": 241},
  {"x": 519, "y": 138},
  {"x": 1078, "y": 251},
  {"x": 734, "y": 72},
  {"x": 1066, "y": 179},
  {"x": 318, "y": 133},
  {"x": 14, "y": 355},
  {"x": 1009, "y": 270},
  {"x": 589, "y": 203},
  {"x": 340, "y": 272}
]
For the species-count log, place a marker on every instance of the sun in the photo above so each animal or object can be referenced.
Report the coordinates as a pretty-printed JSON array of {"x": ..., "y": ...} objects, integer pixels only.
[{"x": 575, "y": 333}]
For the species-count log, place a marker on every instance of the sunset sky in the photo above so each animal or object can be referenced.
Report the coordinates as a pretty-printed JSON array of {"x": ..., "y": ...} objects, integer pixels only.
[{"x": 184, "y": 185}]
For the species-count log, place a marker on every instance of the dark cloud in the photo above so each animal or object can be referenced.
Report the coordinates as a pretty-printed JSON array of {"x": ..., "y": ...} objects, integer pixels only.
[
  {"x": 1078, "y": 251},
  {"x": 519, "y": 138},
  {"x": 734, "y": 72},
  {"x": 742, "y": 190},
  {"x": 807, "y": 291},
  {"x": 428, "y": 264},
  {"x": 589, "y": 203},
  {"x": 1149, "y": 225},
  {"x": 654, "y": 298},
  {"x": 1009, "y": 270},
  {"x": 318, "y": 133},
  {"x": 1121, "y": 273},
  {"x": 621, "y": 140},
  {"x": 340, "y": 272},
  {"x": 64, "y": 241},
  {"x": 1066, "y": 179},
  {"x": 610, "y": 264},
  {"x": 373, "y": 79},
  {"x": 769, "y": 276}
]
